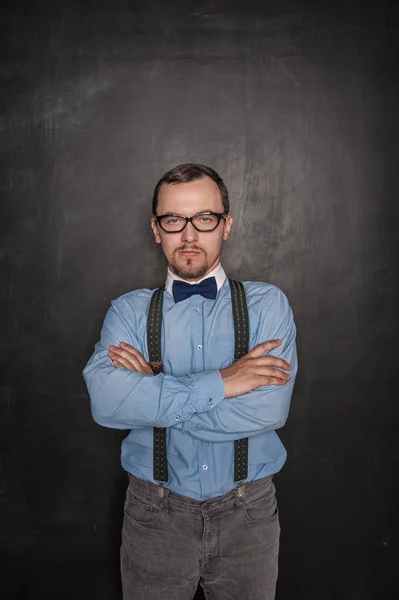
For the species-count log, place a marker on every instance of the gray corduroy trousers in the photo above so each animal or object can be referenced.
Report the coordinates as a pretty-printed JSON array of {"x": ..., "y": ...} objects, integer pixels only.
[{"x": 228, "y": 544}]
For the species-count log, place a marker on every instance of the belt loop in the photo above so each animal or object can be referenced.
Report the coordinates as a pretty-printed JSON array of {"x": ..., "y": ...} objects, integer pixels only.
[
  {"x": 241, "y": 491},
  {"x": 163, "y": 495}
]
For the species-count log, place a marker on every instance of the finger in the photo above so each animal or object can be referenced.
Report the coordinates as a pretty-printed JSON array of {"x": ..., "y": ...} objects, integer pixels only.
[
  {"x": 137, "y": 354},
  {"x": 264, "y": 347},
  {"x": 130, "y": 348},
  {"x": 273, "y": 361},
  {"x": 125, "y": 354},
  {"x": 272, "y": 372},
  {"x": 275, "y": 381},
  {"x": 136, "y": 358},
  {"x": 115, "y": 362},
  {"x": 127, "y": 347},
  {"x": 113, "y": 358},
  {"x": 129, "y": 365},
  {"x": 129, "y": 361}
]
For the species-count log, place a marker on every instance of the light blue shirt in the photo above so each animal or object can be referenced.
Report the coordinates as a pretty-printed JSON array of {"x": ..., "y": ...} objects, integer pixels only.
[{"x": 188, "y": 397}]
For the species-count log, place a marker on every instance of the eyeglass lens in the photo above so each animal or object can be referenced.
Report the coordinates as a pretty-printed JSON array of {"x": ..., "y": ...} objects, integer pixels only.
[{"x": 205, "y": 222}]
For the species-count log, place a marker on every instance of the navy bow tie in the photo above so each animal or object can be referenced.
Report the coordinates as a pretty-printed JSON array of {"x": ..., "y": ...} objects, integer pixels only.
[{"x": 183, "y": 290}]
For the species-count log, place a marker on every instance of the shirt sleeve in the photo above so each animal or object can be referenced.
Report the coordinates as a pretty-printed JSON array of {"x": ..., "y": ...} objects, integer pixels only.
[
  {"x": 124, "y": 399},
  {"x": 264, "y": 408}
]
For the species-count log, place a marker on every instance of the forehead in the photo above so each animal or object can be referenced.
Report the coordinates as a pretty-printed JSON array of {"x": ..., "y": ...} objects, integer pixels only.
[{"x": 190, "y": 198}]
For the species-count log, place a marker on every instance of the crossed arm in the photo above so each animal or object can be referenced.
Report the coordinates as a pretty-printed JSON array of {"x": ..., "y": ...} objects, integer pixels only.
[{"x": 250, "y": 396}]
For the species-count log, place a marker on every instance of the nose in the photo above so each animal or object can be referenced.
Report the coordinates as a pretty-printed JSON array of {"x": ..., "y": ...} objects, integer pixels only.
[{"x": 189, "y": 234}]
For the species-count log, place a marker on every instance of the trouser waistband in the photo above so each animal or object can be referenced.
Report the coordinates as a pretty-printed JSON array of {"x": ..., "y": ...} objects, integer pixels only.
[{"x": 153, "y": 491}]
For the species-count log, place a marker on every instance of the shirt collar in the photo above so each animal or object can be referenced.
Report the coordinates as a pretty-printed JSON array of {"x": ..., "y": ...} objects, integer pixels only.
[{"x": 218, "y": 273}]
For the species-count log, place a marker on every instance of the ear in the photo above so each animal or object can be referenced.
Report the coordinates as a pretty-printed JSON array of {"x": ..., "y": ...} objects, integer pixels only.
[
  {"x": 154, "y": 227},
  {"x": 227, "y": 226}
]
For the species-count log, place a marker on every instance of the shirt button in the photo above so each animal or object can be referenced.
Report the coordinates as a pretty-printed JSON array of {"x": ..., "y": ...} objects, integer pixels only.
[
  {"x": 210, "y": 402},
  {"x": 205, "y": 467},
  {"x": 177, "y": 417},
  {"x": 199, "y": 347},
  {"x": 196, "y": 310}
]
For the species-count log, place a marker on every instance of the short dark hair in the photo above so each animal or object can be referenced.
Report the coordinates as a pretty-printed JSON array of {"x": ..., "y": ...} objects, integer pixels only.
[{"x": 191, "y": 172}]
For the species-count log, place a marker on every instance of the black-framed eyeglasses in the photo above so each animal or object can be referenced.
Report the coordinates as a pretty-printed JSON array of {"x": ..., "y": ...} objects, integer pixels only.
[{"x": 203, "y": 221}]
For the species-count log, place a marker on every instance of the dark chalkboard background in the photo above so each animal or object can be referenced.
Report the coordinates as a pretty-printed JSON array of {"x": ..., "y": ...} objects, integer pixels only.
[{"x": 295, "y": 104}]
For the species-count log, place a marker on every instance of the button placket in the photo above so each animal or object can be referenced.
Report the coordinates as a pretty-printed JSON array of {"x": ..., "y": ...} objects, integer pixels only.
[
  {"x": 205, "y": 469},
  {"x": 197, "y": 332}
]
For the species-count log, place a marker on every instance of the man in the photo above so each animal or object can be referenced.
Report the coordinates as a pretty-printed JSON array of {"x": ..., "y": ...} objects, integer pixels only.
[{"x": 199, "y": 525}]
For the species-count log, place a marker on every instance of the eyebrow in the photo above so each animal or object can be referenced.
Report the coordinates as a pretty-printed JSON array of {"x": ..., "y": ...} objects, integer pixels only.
[{"x": 205, "y": 210}]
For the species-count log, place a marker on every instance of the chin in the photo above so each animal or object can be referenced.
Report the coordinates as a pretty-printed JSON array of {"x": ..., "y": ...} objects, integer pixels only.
[{"x": 188, "y": 270}]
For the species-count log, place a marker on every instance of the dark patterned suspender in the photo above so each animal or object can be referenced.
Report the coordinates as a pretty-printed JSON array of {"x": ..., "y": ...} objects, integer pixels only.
[
  {"x": 154, "y": 332},
  {"x": 241, "y": 332}
]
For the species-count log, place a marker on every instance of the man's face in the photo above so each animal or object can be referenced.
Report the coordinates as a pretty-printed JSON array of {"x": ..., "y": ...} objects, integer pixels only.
[{"x": 191, "y": 254}]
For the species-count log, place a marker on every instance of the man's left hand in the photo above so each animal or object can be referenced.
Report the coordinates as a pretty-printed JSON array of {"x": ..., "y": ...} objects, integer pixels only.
[{"x": 130, "y": 358}]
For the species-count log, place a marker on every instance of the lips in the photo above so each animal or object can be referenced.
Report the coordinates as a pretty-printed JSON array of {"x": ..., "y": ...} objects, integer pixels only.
[{"x": 189, "y": 252}]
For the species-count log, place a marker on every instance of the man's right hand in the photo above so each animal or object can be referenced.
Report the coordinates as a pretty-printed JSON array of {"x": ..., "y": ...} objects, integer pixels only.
[{"x": 254, "y": 370}]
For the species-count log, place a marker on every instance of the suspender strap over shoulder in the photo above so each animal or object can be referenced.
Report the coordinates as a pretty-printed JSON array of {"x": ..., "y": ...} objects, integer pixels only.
[
  {"x": 240, "y": 315},
  {"x": 241, "y": 332},
  {"x": 154, "y": 332}
]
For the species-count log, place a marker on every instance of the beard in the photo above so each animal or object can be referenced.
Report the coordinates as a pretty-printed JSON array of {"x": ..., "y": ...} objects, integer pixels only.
[{"x": 189, "y": 270}]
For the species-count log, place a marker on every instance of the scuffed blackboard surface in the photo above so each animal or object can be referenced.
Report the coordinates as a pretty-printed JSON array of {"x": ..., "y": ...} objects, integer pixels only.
[{"x": 295, "y": 104}]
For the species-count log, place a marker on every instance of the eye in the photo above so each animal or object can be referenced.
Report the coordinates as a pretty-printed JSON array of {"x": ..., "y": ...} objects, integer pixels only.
[
  {"x": 206, "y": 219},
  {"x": 173, "y": 220}
]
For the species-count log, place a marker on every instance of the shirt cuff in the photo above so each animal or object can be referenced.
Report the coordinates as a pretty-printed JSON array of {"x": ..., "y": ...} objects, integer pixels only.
[{"x": 209, "y": 390}]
